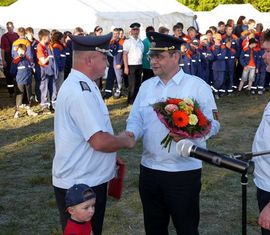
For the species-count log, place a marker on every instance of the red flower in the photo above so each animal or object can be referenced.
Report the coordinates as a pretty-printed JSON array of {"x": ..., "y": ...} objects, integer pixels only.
[
  {"x": 202, "y": 118},
  {"x": 180, "y": 119},
  {"x": 174, "y": 101}
]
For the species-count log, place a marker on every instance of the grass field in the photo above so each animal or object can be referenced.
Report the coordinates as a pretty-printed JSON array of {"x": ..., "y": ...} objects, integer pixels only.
[{"x": 27, "y": 204}]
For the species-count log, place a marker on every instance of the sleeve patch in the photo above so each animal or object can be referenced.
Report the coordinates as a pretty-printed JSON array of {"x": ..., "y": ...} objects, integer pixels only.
[{"x": 84, "y": 86}]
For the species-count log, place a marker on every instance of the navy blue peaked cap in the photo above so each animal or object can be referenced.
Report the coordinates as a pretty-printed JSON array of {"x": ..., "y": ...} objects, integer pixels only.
[
  {"x": 91, "y": 43},
  {"x": 162, "y": 42},
  {"x": 78, "y": 193}
]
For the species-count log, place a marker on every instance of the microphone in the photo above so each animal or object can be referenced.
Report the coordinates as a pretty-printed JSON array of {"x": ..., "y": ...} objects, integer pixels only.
[{"x": 187, "y": 149}]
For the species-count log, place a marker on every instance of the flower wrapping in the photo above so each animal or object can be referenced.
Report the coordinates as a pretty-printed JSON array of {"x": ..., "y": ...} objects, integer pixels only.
[{"x": 182, "y": 117}]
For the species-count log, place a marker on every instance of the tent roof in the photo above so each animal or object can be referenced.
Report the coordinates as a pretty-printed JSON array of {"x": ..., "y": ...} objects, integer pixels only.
[
  {"x": 238, "y": 9},
  {"x": 223, "y": 12},
  {"x": 68, "y": 14}
]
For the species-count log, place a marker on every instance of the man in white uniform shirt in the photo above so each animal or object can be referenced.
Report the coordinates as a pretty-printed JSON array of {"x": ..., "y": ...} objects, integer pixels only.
[
  {"x": 132, "y": 56},
  {"x": 84, "y": 142},
  {"x": 169, "y": 184},
  {"x": 262, "y": 163}
]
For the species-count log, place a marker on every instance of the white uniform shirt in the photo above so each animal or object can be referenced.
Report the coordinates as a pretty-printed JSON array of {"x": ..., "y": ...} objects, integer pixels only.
[
  {"x": 262, "y": 143},
  {"x": 143, "y": 120},
  {"x": 135, "y": 49},
  {"x": 79, "y": 114}
]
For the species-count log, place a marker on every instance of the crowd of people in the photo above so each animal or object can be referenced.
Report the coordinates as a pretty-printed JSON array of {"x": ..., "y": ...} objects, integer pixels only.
[
  {"x": 227, "y": 57},
  {"x": 85, "y": 144}
]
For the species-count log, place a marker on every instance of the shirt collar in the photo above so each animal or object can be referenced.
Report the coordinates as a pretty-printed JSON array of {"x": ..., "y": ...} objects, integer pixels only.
[
  {"x": 176, "y": 78},
  {"x": 82, "y": 77}
]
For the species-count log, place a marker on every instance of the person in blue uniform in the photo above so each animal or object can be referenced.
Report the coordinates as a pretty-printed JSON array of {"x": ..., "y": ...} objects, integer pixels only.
[
  {"x": 260, "y": 71},
  {"x": 68, "y": 52},
  {"x": 218, "y": 65},
  {"x": 115, "y": 71},
  {"x": 206, "y": 58},
  {"x": 232, "y": 52},
  {"x": 85, "y": 146},
  {"x": 29, "y": 34},
  {"x": 196, "y": 67},
  {"x": 169, "y": 184},
  {"x": 21, "y": 67},
  {"x": 185, "y": 59}
]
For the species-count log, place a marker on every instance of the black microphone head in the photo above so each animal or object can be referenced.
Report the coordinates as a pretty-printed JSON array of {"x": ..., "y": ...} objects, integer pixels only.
[{"x": 183, "y": 147}]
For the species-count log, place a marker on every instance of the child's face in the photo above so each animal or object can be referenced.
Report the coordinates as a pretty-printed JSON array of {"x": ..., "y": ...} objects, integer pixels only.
[
  {"x": 46, "y": 39},
  {"x": 252, "y": 45},
  {"x": 29, "y": 36},
  {"x": 84, "y": 211},
  {"x": 21, "y": 52},
  {"x": 183, "y": 48}
]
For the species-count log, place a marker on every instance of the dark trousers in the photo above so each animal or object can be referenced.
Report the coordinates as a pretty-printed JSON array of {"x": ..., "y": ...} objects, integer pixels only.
[
  {"x": 218, "y": 81},
  {"x": 110, "y": 79},
  {"x": 263, "y": 198},
  {"x": 8, "y": 76},
  {"x": 23, "y": 92},
  {"x": 97, "y": 219},
  {"x": 134, "y": 81},
  {"x": 170, "y": 194},
  {"x": 147, "y": 73}
]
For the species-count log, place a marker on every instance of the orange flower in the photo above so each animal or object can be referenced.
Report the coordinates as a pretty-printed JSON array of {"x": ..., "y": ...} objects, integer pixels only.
[
  {"x": 180, "y": 119},
  {"x": 174, "y": 101},
  {"x": 202, "y": 118}
]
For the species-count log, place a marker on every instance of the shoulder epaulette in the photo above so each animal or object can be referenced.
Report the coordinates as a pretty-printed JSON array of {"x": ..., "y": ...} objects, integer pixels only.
[{"x": 85, "y": 86}]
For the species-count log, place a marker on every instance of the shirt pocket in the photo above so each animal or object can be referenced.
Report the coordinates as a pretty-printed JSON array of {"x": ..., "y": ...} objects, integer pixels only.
[{"x": 147, "y": 112}]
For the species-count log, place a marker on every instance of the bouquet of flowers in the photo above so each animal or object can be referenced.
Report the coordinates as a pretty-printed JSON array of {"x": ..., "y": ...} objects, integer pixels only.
[{"x": 182, "y": 117}]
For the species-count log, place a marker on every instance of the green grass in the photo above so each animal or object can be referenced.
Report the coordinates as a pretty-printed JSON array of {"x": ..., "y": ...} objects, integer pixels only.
[{"x": 27, "y": 204}]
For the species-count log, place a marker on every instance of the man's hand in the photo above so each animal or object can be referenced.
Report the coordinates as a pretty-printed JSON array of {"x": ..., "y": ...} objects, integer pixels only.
[
  {"x": 126, "y": 70},
  {"x": 175, "y": 137},
  {"x": 264, "y": 218},
  {"x": 128, "y": 139}
]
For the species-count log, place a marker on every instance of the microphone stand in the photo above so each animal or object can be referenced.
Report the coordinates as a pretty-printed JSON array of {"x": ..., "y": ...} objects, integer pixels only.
[{"x": 244, "y": 182}]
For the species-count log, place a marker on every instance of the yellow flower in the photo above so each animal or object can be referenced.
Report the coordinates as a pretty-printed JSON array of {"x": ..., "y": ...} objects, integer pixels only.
[
  {"x": 193, "y": 120},
  {"x": 189, "y": 101},
  {"x": 186, "y": 107}
]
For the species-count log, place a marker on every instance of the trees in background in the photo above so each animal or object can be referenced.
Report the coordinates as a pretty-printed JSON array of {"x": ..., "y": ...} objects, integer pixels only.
[{"x": 208, "y": 5}]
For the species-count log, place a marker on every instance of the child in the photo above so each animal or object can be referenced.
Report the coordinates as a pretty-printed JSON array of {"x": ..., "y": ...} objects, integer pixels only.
[
  {"x": 57, "y": 43},
  {"x": 47, "y": 71},
  {"x": 22, "y": 69},
  {"x": 80, "y": 203},
  {"x": 218, "y": 65},
  {"x": 247, "y": 60},
  {"x": 185, "y": 59}
]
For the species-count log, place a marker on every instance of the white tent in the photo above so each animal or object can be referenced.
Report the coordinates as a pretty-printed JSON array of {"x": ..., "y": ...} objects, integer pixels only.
[
  {"x": 223, "y": 12},
  {"x": 68, "y": 14}
]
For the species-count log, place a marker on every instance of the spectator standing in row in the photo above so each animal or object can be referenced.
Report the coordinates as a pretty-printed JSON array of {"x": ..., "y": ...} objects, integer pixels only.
[
  {"x": 21, "y": 68},
  {"x": 47, "y": 71},
  {"x": 6, "y": 48},
  {"x": 115, "y": 71},
  {"x": 132, "y": 56},
  {"x": 58, "y": 48},
  {"x": 147, "y": 70},
  {"x": 29, "y": 34}
]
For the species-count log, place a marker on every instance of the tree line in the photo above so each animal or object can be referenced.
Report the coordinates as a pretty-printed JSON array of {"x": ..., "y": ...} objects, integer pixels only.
[{"x": 208, "y": 5}]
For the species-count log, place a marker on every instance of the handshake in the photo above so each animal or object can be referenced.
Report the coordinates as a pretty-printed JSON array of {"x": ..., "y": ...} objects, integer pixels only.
[{"x": 127, "y": 139}]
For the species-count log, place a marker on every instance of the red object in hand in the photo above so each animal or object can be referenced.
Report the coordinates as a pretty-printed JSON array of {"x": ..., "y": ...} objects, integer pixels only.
[{"x": 117, "y": 183}]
